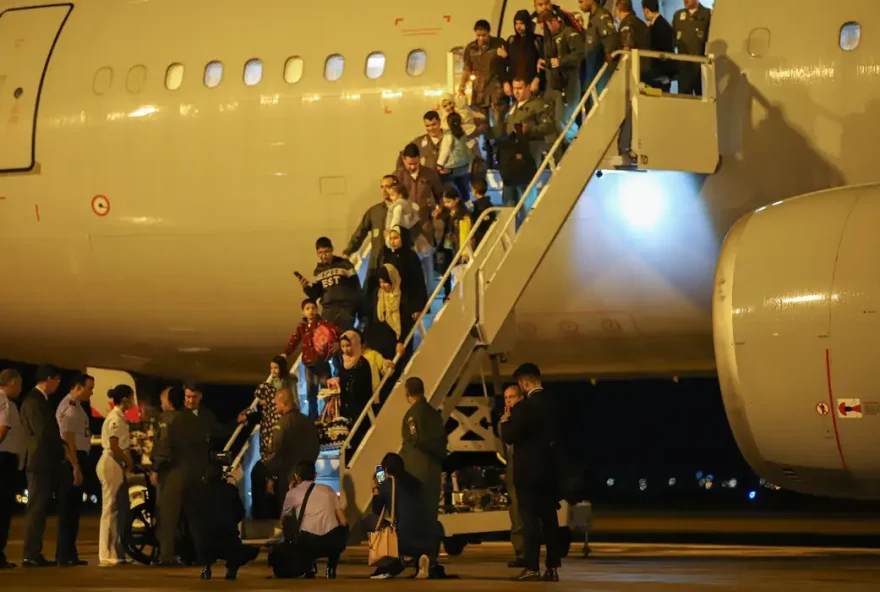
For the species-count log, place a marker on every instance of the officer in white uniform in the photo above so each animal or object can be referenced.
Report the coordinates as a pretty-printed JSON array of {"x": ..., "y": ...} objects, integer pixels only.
[
  {"x": 73, "y": 422},
  {"x": 115, "y": 462}
]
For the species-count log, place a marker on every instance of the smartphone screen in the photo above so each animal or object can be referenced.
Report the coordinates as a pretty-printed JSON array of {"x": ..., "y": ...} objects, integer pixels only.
[{"x": 380, "y": 475}]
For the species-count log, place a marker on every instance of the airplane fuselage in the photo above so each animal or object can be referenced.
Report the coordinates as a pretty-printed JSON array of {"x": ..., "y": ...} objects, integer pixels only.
[{"x": 156, "y": 230}]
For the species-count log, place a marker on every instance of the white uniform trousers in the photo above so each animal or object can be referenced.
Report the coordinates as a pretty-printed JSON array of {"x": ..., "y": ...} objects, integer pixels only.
[{"x": 114, "y": 513}]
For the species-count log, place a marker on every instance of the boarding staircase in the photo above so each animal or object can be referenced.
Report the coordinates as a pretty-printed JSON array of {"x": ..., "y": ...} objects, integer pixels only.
[{"x": 669, "y": 132}]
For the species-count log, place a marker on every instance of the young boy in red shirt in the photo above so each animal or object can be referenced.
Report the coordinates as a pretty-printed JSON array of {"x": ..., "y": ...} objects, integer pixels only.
[{"x": 319, "y": 340}]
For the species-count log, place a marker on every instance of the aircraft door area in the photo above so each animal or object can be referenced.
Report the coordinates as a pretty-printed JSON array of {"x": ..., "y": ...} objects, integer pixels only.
[{"x": 27, "y": 39}]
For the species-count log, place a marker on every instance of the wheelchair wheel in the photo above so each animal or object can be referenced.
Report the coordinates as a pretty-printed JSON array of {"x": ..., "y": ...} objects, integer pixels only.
[{"x": 141, "y": 542}]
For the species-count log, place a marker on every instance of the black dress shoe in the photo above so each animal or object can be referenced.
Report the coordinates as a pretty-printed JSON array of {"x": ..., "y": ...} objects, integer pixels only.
[
  {"x": 7, "y": 564},
  {"x": 528, "y": 575},
  {"x": 231, "y": 572},
  {"x": 550, "y": 575},
  {"x": 38, "y": 562},
  {"x": 331, "y": 573},
  {"x": 72, "y": 563},
  {"x": 518, "y": 562},
  {"x": 206, "y": 574}
]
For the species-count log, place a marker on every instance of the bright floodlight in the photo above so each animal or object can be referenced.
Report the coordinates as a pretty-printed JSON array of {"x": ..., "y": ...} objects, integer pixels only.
[{"x": 642, "y": 201}]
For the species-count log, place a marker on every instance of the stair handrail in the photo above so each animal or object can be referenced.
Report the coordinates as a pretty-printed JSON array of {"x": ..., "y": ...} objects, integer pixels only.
[
  {"x": 418, "y": 325},
  {"x": 548, "y": 161},
  {"x": 627, "y": 56}
]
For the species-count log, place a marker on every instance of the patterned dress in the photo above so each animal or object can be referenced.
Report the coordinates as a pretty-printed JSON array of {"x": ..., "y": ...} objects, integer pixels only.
[{"x": 266, "y": 394}]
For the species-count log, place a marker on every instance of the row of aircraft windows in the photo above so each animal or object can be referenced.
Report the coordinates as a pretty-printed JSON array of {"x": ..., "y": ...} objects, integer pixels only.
[{"x": 334, "y": 68}]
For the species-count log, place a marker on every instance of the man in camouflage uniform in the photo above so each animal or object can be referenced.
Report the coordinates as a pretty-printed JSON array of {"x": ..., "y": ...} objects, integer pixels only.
[
  {"x": 424, "y": 444},
  {"x": 484, "y": 63},
  {"x": 530, "y": 130},
  {"x": 600, "y": 40},
  {"x": 691, "y": 28},
  {"x": 563, "y": 71},
  {"x": 180, "y": 458}
]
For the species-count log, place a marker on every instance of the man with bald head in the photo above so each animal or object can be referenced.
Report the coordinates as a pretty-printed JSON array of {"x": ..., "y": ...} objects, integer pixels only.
[
  {"x": 513, "y": 395},
  {"x": 296, "y": 440}
]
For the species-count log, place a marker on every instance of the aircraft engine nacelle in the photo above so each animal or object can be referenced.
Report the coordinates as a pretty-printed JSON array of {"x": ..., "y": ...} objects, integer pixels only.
[{"x": 796, "y": 314}]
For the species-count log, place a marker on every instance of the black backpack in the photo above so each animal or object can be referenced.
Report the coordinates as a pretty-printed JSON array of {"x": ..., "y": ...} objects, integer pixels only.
[{"x": 285, "y": 558}]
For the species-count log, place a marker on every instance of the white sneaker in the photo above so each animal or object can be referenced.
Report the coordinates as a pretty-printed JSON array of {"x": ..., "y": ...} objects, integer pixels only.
[
  {"x": 108, "y": 563},
  {"x": 424, "y": 567},
  {"x": 381, "y": 576}
]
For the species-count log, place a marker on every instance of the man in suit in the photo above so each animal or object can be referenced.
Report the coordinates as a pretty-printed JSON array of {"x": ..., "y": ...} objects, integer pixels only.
[
  {"x": 11, "y": 452},
  {"x": 180, "y": 457},
  {"x": 531, "y": 427},
  {"x": 44, "y": 453},
  {"x": 296, "y": 440},
  {"x": 662, "y": 39}
]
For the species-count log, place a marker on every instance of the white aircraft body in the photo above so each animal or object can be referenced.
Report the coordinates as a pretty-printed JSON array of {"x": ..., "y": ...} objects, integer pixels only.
[{"x": 165, "y": 166}]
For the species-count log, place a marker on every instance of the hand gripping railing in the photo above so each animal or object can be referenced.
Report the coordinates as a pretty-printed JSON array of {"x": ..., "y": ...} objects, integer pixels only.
[{"x": 418, "y": 326}]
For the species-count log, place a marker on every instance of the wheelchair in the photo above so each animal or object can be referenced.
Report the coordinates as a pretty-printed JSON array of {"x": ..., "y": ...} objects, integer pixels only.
[{"x": 140, "y": 537}]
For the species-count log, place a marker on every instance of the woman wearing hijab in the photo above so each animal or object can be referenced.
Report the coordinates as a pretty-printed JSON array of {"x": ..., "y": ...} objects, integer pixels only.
[
  {"x": 355, "y": 376},
  {"x": 414, "y": 292},
  {"x": 392, "y": 324}
]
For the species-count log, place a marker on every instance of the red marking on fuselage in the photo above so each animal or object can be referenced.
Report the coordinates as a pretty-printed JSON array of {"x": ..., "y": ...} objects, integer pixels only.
[
  {"x": 833, "y": 415},
  {"x": 397, "y": 21},
  {"x": 448, "y": 17},
  {"x": 37, "y": 210}
]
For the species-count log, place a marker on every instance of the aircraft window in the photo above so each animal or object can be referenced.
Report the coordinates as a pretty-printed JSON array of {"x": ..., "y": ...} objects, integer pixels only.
[
  {"x": 253, "y": 72},
  {"x": 375, "y": 65},
  {"x": 213, "y": 74},
  {"x": 457, "y": 61},
  {"x": 134, "y": 81},
  {"x": 850, "y": 36},
  {"x": 293, "y": 70},
  {"x": 103, "y": 81},
  {"x": 334, "y": 67},
  {"x": 416, "y": 62},
  {"x": 174, "y": 76}
]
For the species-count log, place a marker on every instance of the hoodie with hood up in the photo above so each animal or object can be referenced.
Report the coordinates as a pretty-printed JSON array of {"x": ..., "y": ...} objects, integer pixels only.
[{"x": 524, "y": 51}]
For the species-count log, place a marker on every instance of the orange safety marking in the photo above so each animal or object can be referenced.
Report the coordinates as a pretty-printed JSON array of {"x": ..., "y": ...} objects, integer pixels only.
[{"x": 100, "y": 205}]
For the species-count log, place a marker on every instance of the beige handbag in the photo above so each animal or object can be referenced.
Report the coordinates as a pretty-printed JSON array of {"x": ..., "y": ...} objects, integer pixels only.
[{"x": 383, "y": 542}]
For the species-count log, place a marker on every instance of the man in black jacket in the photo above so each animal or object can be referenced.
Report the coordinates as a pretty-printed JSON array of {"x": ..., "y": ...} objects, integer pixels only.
[
  {"x": 524, "y": 50},
  {"x": 44, "y": 453},
  {"x": 662, "y": 39},
  {"x": 337, "y": 286},
  {"x": 531, "y": 427}
]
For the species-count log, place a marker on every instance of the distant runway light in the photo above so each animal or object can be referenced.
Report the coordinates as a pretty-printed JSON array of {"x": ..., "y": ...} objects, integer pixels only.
[
  {"x": 753, "y": 494},
  {"x": 610, "y": 483},
  {"x": 671, "y": 481}
]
